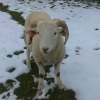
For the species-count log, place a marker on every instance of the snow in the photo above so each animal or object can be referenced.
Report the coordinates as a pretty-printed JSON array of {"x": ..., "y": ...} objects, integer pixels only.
[
  {"x": 80, "y": 71},
  {"x": 10, "y": 32}
]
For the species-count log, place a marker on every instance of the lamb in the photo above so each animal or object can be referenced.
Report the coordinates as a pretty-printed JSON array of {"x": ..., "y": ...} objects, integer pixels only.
[{"x": 43, "y": 38}]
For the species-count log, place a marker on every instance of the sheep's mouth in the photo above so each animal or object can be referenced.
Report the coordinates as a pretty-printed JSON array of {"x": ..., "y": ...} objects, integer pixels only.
[{"x": 45, "y": 52}]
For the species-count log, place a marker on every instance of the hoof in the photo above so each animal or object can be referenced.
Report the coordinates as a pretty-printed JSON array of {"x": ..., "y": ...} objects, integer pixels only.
[
  {"x": 62, "y": 87},
  {"x": 29, "y": 68},
  {"x": 39, "y": 92}
]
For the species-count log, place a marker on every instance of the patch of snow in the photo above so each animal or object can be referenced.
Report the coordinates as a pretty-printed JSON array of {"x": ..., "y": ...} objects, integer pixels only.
[{"x": 10, "y": 42}]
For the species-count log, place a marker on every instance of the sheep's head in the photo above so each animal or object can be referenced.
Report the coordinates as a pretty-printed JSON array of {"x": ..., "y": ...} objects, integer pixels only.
[{"x": 47, "y": 33}]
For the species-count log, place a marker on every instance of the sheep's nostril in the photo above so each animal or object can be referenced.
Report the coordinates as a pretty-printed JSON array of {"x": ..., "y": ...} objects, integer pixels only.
[{"x": 45, "y": 49}]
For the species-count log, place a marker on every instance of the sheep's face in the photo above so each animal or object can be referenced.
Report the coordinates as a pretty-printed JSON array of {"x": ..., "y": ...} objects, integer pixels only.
[{"x": 47, "y": 33}]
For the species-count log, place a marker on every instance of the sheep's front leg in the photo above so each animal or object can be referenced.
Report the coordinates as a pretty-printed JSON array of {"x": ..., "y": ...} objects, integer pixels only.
[
  {"x": 28, "y": 58},
  {"x": 41, "y": 77},
  {"x": 57, "y": 74}
]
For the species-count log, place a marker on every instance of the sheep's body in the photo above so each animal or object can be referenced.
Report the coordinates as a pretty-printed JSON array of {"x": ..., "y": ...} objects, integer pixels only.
[
  {"x": 55, "y": 44},
  {"x": 36, "y": 15}
]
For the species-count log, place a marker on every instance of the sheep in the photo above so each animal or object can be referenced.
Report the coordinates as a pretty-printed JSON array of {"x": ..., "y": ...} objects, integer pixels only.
[{"x": 47, "y": 44}]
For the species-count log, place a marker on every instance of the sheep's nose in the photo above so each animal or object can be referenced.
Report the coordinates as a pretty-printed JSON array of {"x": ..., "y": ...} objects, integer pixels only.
[{"x": 45, "y": 49}]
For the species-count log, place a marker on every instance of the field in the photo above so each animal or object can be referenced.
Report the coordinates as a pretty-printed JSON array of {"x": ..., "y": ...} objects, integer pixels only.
[{"x": 80, "y": 71}]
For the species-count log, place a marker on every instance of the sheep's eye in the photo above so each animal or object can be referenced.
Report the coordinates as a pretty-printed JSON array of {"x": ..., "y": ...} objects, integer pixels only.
[
  {"x": 37, "y": 32},
  {"x": 55, "y": 33}
]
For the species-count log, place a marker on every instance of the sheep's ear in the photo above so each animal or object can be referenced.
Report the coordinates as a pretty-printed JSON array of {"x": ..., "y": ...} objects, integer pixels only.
[
  {"x": 31, "y": 34},
  {"x": 61, "y": 31}
]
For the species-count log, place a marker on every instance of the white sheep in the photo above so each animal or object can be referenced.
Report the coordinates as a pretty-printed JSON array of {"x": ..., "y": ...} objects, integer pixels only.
[{"x": 47, "y": 45}]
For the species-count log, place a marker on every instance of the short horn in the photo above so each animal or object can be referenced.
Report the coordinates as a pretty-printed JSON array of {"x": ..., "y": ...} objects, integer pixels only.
[{"x": 63, "y": 25}]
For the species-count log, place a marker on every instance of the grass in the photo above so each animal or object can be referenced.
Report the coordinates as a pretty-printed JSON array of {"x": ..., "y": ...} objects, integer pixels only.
[
  {"x": 18, "y": 52},
  {"x": 15, "y": 15},
  {"x": 57, "y": 94},
  {"x": 28, "y": 88},
  {"x": 9, "y": 83},
  {"x": 11, "y": 70},
  {"x": 97, "y": 1},
  {"x": 9, "y": 56},
  {"x": 2, "y": 88}
]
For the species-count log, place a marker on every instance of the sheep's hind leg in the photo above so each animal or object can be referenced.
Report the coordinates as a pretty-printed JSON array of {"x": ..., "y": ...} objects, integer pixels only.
[
  {"x": 57, "y": 74},
  {"x": 28, "y": 59}
]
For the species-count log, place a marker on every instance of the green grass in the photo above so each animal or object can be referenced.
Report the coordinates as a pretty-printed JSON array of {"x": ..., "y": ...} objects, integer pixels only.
[
  {"x": 9, "y": 56},
  {"x": 9, "y": 83},
  {"x": 98, "y": 1},
  {"x": 11, "y": 70},
  {"x": 15, "y": 15},
  {"x": 18, "y": 52},
  {"x": 26, "y": 91},
  {"x": 2, "y": 88},
  {"x": 57, "y": 94}
]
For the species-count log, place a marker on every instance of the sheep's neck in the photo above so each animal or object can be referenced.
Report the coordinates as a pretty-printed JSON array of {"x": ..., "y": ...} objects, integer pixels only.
[{"x": 49, "y": 58}]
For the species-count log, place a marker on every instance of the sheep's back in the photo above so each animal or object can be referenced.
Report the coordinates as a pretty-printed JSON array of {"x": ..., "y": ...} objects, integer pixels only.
[{"x": 36, "y": 15}]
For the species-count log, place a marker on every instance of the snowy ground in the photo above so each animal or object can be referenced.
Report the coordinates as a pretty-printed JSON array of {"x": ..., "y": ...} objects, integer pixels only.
[{"x": 81, "y": 70}]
